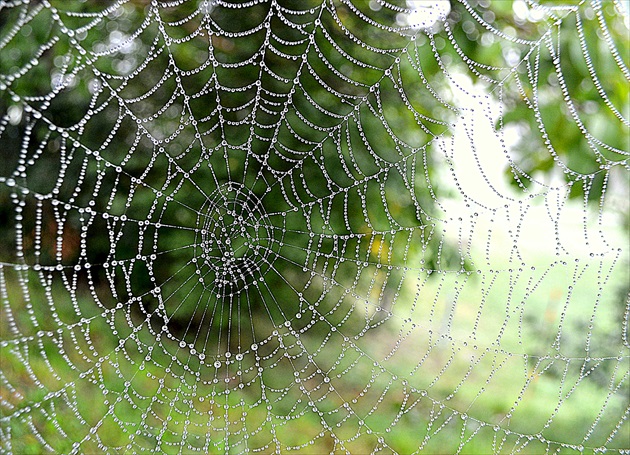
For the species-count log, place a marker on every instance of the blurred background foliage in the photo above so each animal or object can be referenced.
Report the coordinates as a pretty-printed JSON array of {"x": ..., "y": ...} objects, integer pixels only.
[
  {"x": 332, "y": 131},
  {"x": 302, "y": 96}
]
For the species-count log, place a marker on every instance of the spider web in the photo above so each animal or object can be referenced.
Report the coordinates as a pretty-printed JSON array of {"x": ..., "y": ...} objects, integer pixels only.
[{"x": 276, "y": 226}]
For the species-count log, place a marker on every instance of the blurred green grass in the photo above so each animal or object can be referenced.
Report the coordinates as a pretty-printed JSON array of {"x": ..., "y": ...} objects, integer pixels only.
[{"x": 479, "y": 373}]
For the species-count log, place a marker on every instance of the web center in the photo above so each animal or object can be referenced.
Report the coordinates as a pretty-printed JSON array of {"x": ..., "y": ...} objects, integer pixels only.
[{"x": 233, "y": 241}]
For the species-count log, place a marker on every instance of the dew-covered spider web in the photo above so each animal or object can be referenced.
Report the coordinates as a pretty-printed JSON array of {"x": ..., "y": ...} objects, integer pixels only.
[{"x": 314, "y": 226}]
